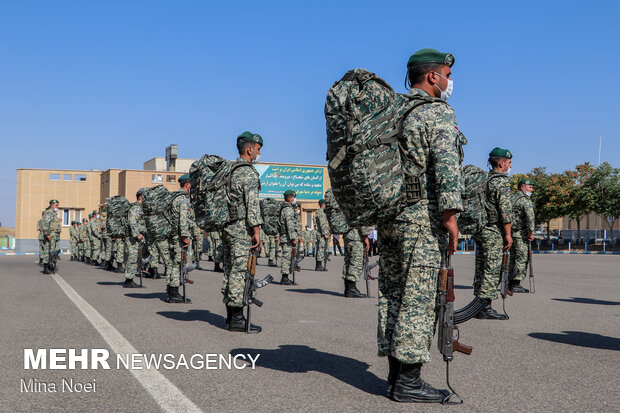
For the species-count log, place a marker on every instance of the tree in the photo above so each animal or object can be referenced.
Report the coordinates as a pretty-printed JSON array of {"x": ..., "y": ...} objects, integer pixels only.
[
  {"x": 601, "y": 192},
  {"x": 577, "y": 202},
  {"x": 550, "y": 196}
]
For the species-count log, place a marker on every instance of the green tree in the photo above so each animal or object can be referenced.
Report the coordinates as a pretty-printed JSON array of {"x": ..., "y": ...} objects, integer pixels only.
[
  {"x": 602, "y": 193},
  {"x": 578, "y": 204}
]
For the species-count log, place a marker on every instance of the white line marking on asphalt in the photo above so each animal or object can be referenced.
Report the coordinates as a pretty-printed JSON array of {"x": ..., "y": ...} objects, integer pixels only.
[{"x": 166, "y": 395}]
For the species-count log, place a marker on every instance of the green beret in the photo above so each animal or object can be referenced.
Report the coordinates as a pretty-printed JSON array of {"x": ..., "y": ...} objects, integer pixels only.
[
  {"x": 84, "y": 220},
  {"x": 90, "y": 215},
  {"x": 94, "y": 212},
  {"x": 502, "y": 153},
  {"x": 183, "y": 179},
  {"x": 53, "y": 201},
  {"x": 321, "y": 201},
  {"x": 289, "y": 192},
  {"x": 525, "y": 181},
  {"x": 430, "y": 56},
  {"x": 252, "y": 137}
]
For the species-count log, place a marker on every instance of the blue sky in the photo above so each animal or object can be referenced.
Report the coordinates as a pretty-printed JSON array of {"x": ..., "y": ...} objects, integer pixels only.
[{"x": 97, "y": 85}]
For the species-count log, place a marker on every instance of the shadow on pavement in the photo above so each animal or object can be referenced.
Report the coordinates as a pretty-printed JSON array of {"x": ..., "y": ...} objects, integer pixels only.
[
  {"x": 161, "y": 295},
  {"x": 463, "y": 287},
  {"x": 110, "y": 282},
  {"x": 195, "y": 315},
  {"x": 315, "y": 291},
  {"x": 582, "y": 300},
  {"x": 301, "y": 359},
  {"x": 581, "y": 339}
]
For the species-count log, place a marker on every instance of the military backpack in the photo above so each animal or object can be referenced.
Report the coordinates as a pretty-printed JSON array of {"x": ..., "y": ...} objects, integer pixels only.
[
  {"x": 116, "y": 220},
  {"x": 269, "y": 210},
  {"x": 336, "y": 219},
  {"x": 155, "y": 201},
  {"x": 477, "y": 211},
  {"x": 210, "y": 178},
  {"x": 364, "y": 129}
]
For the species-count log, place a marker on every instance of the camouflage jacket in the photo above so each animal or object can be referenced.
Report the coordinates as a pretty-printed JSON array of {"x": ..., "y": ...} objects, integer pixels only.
[
  {"x": 499, "y": 199},
  {"x": 523, "y": 218},
  {"x": 83, "y": 232},
  {"x": 180, "y": 214},
  {"x": 244, "y": 187},
  {"x": 50, "y": 224},
  {"x": 73, "y": 233},
  {"x": 193, "y": 227},
  {"x": 135, "y": 220},
  {"x": 289, "y": 228},
  {"x": 320, "y": 222},
  {"x": 357, "y": 234},
  {"x": 433, "y": 147},
  {"x": 93, "y": 229},
  {"x": 215, "y": 236}
]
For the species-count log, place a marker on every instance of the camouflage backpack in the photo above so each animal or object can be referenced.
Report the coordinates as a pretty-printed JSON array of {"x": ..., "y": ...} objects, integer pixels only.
[
  {"x": 364, "y": 127},
  {"x": 116, "y": 221},
  {"x": 155, "y": 201},
  {"x": 336, "y": 219},
  {"x": 475, "y": 213},
  {"x": 269, "y": 210},
  {"x": 210, "y": 180}
]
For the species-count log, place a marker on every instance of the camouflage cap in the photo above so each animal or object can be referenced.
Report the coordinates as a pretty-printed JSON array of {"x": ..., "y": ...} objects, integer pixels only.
[
  {"x": 430, "y": 56},
  {"x": 321, "y": 201},
  {"x": 502, "y": 153},
  {"x": 84, "y": 220},
  {"x": 289, "y": 192},
  {"x": 53, "y": 201},
  {"x": 94, "y": 212},
  {"x": 251, "y": 137},
  {"x": 525, "y": 181},
  {"x": 90, "y": 215},
  {"x": 183, "y": 178}
]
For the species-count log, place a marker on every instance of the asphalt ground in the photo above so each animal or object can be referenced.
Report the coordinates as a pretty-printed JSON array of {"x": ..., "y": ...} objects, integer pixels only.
[{"x": 560, "y": 350}]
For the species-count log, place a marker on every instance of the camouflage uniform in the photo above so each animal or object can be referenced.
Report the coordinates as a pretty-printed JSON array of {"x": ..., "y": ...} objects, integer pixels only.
[
  {"x": 85, "y": 239},
  {"x": 289, "y": 231},
  {"x": 153, "y": 253},
  {"x": 180, "y": 219},
  {"x": 196, "y": 237},
  {"x": 237, "y": 234},
  {"x": 301, "y": 245},
  {"x": 106, "y": 241},
  {"x": 523, "y": 222},
  {"x": 489, "y": 241},
  {"x": 73, "y": 234},
  {"x": 216, "y": 250},
  {"x": 354, "y": 254},
  {"x": 95, "y": 238},
  {"x": 50, "y": 226},
  {"x": 271, "y": 247},
  {"x": 41, "y": 236},
  {"x": 135, "y": 221},
  {"x": 410, "y": 244},
  {"x": 322, "y": 229}
]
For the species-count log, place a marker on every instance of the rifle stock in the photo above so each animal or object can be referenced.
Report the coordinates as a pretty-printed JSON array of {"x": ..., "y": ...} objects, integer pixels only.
[
  {"x": 250, "y": 288},
  {"x": 531, "y": 277}
]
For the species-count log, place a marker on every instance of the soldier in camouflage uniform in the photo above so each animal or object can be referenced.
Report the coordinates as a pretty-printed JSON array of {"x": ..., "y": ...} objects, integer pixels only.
[
  {"x": 289, "y": 235},
  {"x": 85, "y": 239},
  {"x": 50, "y": 228},
  {"x": 354, "y": 243},
  {"x": 411, "y": 244},
  {"x": 242, "y": 233},
  {"x": 136, "y": 234},
  {"x": 523, "y": 222},
  {"x": 95, "y": 238},
  {"x": 271, "y": 249},
  {"x": 197, "y": 239},
  {"x": 209, "y": 246},
  {"x": 495, "y": 237},
  {"x": 73, "y": 236},
  {"x": 106, "y": 244},
  {"x": 301, "y": 245},
  {"x": 217, "y": 250},
  {"x": 41, "y": 236},
  {"x": 154, "y": 261},
  {"x": 180, "y": 239},
  {"x": 322, "y": 236}
]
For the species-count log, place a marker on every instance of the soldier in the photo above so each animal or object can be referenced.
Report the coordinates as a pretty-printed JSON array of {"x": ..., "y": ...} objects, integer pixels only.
[
  {"x": 41, "y": 237},
  {"x": 85, "y": 239},
  {"x": 197, "y": 239},
  {"x": 50, "y": 228},
  {"x": 73, "y": 236},
  {"x": 180, "y": 238},
  {"x": 410, "y": 244},
  {"x": 94, "y": 232},
  {"x": 300, "y": 241},
  {"x": 242, "y": 233},
  {"x": 137, "y": 232},
  {"x": 106, "y": 244},
  {"x": 523, "y": 221},
  {"x": 495, "y": 237},
  {"x": 289, "y": 235},
  {"x": 154, "y": 261},
  {"x": 322, "y": 236},
  {"x": 215, "y": 238},
  {"x": 209, "y": 246},
  {"x": 354, "y": 243},
  {"x": 271, "y": 249}
]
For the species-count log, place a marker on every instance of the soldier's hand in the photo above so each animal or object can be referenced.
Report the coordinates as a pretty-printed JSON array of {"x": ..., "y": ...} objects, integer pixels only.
[
  {"x": 507, "y": 242},
  {"x": 49, "y": 237},
  {"x": 530, "y": 237},
  {"x": 366, "y": 244},
  {"x": 294, "y": 241},
  {"x": 185, "y": 241},
  {"x": 326, "y": 236},
  {"x": 139, "y": 237}
]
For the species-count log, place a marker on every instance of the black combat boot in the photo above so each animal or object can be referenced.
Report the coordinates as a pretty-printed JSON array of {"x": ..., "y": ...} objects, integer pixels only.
[
  {"x": 285, "y": 280},
  {"x": 155, "y": 273},
  {"x": 41, "y": 262},
  {"x": 271, "y": 263},
  {"x": 129, "y": 283},
  {"x": 516, "y": 287},
  {"x": 175, "y": 297},
  {"x": 238, "y": 321},
  {"x": 210, "y": 258},
  {"x": 487, "y": 312},
  {"x": 217, "y": 267},
  {"x": 119, "y": 268},
  {"x": 229, "y": 311},
  {"x": 409, "y": 387},
  {"x": 319, "y": 266},
  {"x": 46, "y": 269},
  {"x": 351, "y": 291},
  {"x": 394, "y": 365}
]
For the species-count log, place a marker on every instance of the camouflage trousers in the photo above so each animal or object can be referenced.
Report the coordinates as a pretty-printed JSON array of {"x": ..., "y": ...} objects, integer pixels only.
[
  {"x": 154, "y": 254},
  {"x": 118, "y": 244},
  {"x": 409, "y": 266},
  {"x": 87, "y": 250},
  {"x": 131, "y": 266},
  {"x": 518, "y": 256},
  {"x": 353, "y": 256},
  {"x": 319, "y": 248},
  {"x": 287, "y": 256},
  {"x": 41, "y": 236},
  {"x": 236, "y": 243},
  {"x": 107, "y": 248},
  {"x": 74, "y": 248},
  {"x": 49, "y": 246},
  {"x": 196, "y": 250},
  {"x": 217, "y": 251},
  {"x": 95, "y": 245},
  {"x": 488, "y": 267},
  {"x": 209, "y": 245},
  {"x": 173, "y": 276},
  {"x": 271, "y": 247}
]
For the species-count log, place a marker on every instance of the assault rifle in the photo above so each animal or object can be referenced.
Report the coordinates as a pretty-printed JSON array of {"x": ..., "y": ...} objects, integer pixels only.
[
  {"x": 531, "y": 278},
  {"x": 367, "y": 275},
  {"x": 296, "y": 258},
  {"x": 184, "y": 270},
  {"x": 251, "y": 285},
  {"x": 325, "y": 252},
  {"x": 141, "y": 260},
  {"x": 448, "y": 332},
  {"x": 51, "y": 258},
  {"x": 505, "y": 281}
]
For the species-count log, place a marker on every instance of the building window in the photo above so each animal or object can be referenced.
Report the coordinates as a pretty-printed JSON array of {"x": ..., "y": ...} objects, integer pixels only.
[
  {"x": 156, "y": 178},
  {"x": 65, "y": 218},
  {"x": 171, "y": 178},
  {"x": 66, "y": 177},
  {"x": 79, "y": 178},
  {"x": 309, "y": 220},
  {"x": 77, "y": 215},
  {"x": 54, "y": 177}
]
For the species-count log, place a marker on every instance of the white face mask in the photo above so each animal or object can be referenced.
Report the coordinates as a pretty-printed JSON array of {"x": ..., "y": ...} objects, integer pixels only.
[
  {"x": 294, "y": 201},
  {"x": 528, "y": 193},
  {"x": 255, "y": 160},
  {"x": 298, "y": 212},
  {"x": 445, "y": 94},
  {"x": 98, "y": 216},
  {"x": 55, "y": 209},
  {"x": 508, "y": 171}
]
